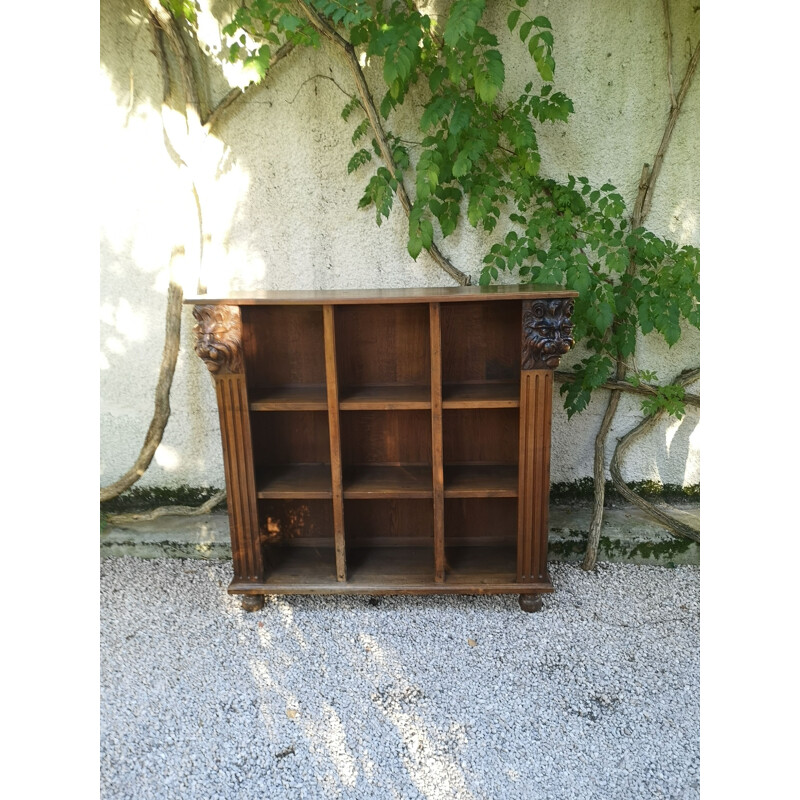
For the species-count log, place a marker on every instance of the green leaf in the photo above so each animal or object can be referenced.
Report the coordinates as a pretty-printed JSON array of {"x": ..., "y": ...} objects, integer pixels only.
[
  {"x": 438, "y": 74},
  {"x": 462, "y": 165},
  {"x": 462, "y": 114},
  {"x": 426, "y": 230},
  {"x": 605, "y": 316},
  {"x": 464, "y": 16},
  {"x": 414, "y": 246},
  {"x": 359, "y": 158},
  {"x": 525, "y": 30},
  {"x": 436, "y": 110},
  {"x": 489, "y": 83},
  {"x": 513, "y": 19},
  {"x": 542, "y": 22},
  {"x": 289, "y": 22},
  {"x": 360, "y": 130}
]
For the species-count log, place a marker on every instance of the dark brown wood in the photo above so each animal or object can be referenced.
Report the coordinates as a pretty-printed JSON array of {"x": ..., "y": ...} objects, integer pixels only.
[
  {"x": 488, "y": 436},
  {"x": 385, "y": 345},
  {"x": 387, "y": 442},
  {"x": 481, "y": 395},
  {"x": 271, "y": 333},
  {"x": 335, "y": 442},
  {"x": 392, "y": 570},
  {"x": 530, "y": 602},
  {"x": 297, "y": 522},
  {"x": 289, "y": 398},
  {"x": 290, "y": 437},
  {"x": 252, "y": 602},
  {"x": 546, "y": 332},
  {"x": 437, "y": 450},
  {"x": 302, "y": 481},
  {"x": 546, "y": 336},
  {"x": 480, "y": 342},
  {"x": 386, "y": 437},
  {"x": 481, "y": 480},
  {"x": 385, "y": 398},
  {"x": 481, "y": 521},
  {"x": 218, "y": 342},
  {"x": 377, "y": 481},
  {"x": 389, "y": 522},
  {"x": 447, "y": 294},
  {"x": 534, "y": 473}
]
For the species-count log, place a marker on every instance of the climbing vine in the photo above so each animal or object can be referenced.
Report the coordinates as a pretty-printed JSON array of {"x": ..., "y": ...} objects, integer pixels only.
[
  {"x": 479, "y": 156},
  {"x": 475, "y": 154}
]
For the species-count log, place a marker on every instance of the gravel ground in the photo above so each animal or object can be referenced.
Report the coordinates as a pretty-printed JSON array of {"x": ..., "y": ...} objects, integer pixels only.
[{"x": 597, "y": 696}]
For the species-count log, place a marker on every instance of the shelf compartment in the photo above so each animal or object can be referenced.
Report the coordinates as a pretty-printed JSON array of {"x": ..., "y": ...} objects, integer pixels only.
[
  {"x": 389, "y": 522},
  {"x": 488, "y": 521},
  {"x": 289, "y": 398},
  {"x": 296, "y": 523},
  {"x": 290, "y": 437},
  {"x": 302, "y": 481},
  {"x": 270, "y": 334},
  {"x": 385, "y": 437},
  {"x": 481, "y": 480},
  {"x": 378, "y": 481},
  {"x": 383, "y": 345},
  {"x": 480, "y": 395},
  {"x": 481, "y": 342},
  {"x": 480, "y": 436},
  {"x": 482, "y": 564},
  {"x": 392, "y": 570},
  {"x": 384, "y": 398}
]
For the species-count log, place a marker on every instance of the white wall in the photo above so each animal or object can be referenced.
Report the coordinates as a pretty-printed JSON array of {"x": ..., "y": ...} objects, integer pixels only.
[{"x": 279, "y": 211}]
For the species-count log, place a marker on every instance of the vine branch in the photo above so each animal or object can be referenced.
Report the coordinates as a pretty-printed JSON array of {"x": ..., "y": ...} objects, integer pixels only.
[
  {"x": 647, "y": 183},
  {"x": 646, "y": 389},
  {"x": 164, "y": 511},
  {"x": 676, "y": 527},
  {"x": 164, "y": 26},
  {"x": 665, "y": 3},
  {"x": 161, "y": 411},
  {"x": 234, "y": 94},
  {"x": 371, "y": 111}
]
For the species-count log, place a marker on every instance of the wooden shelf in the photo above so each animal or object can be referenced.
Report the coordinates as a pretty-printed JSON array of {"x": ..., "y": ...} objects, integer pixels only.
[
  {"x": 289, "y": 398},
  {"x": 301, "y": 481},
  {"x": 481, "y": 480},
  {"x": 378, "y": 481},
  {"x": 480, "y": 395},
  {"x": 393, "y": 570},
  {"x": 433, "y": 404},
  {"x": 384, "y": 398}
]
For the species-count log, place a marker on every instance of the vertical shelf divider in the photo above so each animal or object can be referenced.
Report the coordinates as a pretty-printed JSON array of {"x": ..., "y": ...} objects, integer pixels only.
[
  {"x": 332, "y": 385},
  {"x": 437, "y": 457}
]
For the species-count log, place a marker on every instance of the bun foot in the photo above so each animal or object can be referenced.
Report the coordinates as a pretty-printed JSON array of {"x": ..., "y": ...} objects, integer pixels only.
[
  {"x": 530, "y": 602},
  {"x": 253, "y": 602}
]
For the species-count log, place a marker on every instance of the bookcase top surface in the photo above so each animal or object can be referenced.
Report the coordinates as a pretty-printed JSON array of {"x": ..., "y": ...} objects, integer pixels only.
[{"x": 445, "y": 294}]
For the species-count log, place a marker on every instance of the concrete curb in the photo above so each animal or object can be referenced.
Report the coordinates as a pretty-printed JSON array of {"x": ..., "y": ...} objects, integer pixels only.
[{"x": 629, "y": 536}]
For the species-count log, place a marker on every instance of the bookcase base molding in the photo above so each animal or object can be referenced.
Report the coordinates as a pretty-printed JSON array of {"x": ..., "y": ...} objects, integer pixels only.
[{"x": 387, "y": 441}]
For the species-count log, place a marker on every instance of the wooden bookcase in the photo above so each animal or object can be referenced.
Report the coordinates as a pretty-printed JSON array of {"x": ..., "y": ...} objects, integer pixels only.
[{"x": 387, "y": 441}]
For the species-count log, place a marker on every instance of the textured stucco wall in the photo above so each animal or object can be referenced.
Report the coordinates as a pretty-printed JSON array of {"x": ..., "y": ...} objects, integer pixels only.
[{"x": 279, "y": 211}]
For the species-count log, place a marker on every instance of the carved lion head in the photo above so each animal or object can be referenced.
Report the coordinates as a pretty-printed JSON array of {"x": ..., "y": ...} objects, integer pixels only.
[
  {"x": 219, "y": 337},
  {"x": 547, "y": 332}
]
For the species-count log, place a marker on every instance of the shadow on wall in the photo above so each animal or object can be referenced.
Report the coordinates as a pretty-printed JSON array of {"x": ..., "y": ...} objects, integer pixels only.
[{"x": 267, "y": 202}]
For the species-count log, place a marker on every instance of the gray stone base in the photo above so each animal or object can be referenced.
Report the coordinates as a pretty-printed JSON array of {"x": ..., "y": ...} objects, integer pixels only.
[{"x": 629, "y": 536}]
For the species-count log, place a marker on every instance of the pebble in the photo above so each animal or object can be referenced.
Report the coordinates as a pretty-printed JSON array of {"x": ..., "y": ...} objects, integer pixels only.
[{"x": 597, "y": 696}]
